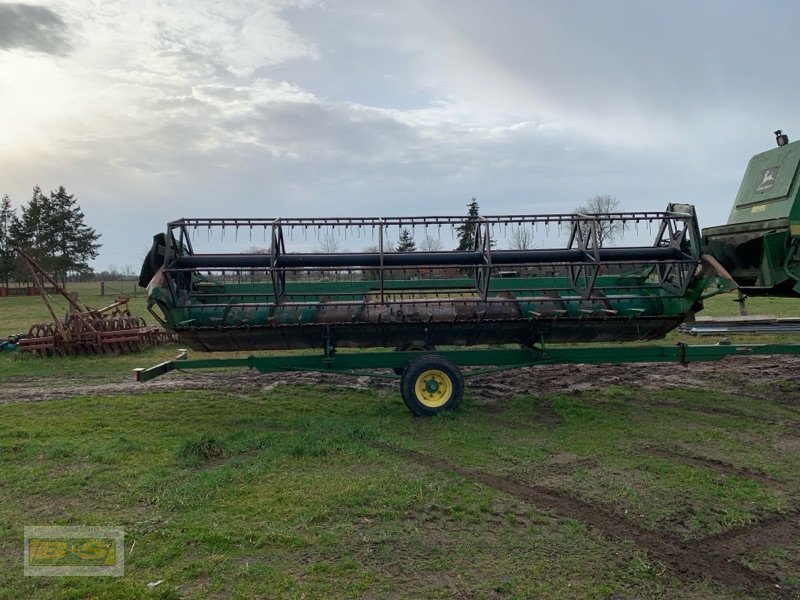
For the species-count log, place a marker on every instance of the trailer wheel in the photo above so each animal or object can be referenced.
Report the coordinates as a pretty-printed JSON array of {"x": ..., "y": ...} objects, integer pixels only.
[{"x": 430, "y": 385}]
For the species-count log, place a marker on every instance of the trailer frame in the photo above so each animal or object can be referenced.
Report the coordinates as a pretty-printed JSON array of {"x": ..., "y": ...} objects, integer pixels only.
[{"x": 432, "y": 381}]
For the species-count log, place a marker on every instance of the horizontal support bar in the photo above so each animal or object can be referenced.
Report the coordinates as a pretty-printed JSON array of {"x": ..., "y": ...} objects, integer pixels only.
[
  {"x": 431, "y": 220},
  {"x": 429, "y": 259},
  {"x": 494, "y": 357}
]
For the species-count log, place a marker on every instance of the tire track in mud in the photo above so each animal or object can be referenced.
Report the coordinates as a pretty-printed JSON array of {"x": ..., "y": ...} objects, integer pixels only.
[
  {"x": 735, "y": 376},
  {"x": 776, "y": 530},
  {"x": 691, "y": 559},
  {"x": 752, "y": 377},
  {"x": 719, "y": 466},
  {"x": 718, "y": 411}
]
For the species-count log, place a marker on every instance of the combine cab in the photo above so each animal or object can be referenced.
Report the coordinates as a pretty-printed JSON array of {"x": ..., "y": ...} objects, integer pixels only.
[{"x": 760, "y": 243}]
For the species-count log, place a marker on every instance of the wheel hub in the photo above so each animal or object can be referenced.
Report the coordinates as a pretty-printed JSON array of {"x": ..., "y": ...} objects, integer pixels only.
[{"x": 434, "y": 388}]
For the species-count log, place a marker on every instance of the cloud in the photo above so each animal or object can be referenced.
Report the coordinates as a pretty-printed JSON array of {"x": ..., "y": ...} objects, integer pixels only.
[
  {"x": 280, "y": 107},
  {"x": 35, "y": 28}
]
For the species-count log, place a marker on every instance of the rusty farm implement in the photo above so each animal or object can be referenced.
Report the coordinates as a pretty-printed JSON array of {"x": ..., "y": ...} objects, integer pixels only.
[{"x": 108, "y": 330}]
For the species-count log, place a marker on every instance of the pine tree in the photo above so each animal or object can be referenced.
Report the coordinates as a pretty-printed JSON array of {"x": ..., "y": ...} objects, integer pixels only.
[
  {"x": 52, "y": 228},
  {"x": 406, "y": 242},
  {"x": 7, "y": 218},
  {"x": 74, "y": 243},
  {"x": 29, "y": 229},
  {"x": 466, "y": 231}
]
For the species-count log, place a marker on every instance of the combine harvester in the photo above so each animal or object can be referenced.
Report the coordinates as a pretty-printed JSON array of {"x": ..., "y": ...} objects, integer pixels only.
[
  {"x": 423, "y": 309},
  {"x": 760, "y": 244}
]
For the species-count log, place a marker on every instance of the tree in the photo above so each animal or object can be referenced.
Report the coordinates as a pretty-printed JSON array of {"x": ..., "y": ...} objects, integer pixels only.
[
  {"x": 430, "y": 244},
  {"x": 406, "y": 242},
  {"x": 73, "y": 243},
  {"x": 522, "y": 238},
  {"x": 368, "y": 273},
  {"x": 607, "y": 230},
  {"x": 328, "y": 244},
  {"x": 29, "y": 231},
  {"x": 466, "y": 231},
  {"x": 8, "y": 217},
  {"x": 53, "y": 229}
]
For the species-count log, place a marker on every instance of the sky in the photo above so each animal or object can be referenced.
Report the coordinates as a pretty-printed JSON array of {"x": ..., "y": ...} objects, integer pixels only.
[{"x": 149, "y": 111}]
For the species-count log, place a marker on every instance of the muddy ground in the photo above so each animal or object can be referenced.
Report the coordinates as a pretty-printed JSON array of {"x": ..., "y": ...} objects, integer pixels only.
[
  {"x": 762, "y": 377},
  {"x": 719, "y": 557}
]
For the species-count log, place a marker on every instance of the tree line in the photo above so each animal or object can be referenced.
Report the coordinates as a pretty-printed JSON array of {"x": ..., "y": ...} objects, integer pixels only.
[
  {"x": 51, "y": 228},
  {"x": 522, "y": 237}
]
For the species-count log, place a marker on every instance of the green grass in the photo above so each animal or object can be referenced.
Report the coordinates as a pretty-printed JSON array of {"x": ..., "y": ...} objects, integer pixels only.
[
  {"x": 291, "y": 493},
  {"x": 725, "y": 305}
]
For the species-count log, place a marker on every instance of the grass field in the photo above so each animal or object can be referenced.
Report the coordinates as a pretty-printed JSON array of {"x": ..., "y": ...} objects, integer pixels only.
[{"x": 555, "y": 482}]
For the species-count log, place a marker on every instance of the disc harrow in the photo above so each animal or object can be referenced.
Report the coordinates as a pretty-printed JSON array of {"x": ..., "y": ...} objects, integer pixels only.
[
  {"x": 109, "y": 330},
  {"x": 98, "y": 334}
]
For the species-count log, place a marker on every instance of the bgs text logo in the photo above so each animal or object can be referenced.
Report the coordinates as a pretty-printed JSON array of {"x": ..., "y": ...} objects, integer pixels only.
[{"x": 87, "y": 551}]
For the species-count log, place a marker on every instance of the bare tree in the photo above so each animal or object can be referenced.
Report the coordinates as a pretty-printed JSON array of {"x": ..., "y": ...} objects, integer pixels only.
[
  {"x": 607, "y": 230},
  {"x": 430, "y": 244},
  {"x": 328, "y": 244},
  {"x": 522, "y": 238}
]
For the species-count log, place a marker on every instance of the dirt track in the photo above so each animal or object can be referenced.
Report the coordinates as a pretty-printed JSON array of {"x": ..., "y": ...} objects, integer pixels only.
[{"x": 716, "y": 557}]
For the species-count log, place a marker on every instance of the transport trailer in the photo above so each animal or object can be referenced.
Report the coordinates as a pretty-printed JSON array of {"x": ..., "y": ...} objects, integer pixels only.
[
  {"x": 496, "y": 302},
  {"x": 433, "y": 381},
  {"x": 419, "y": 312}
]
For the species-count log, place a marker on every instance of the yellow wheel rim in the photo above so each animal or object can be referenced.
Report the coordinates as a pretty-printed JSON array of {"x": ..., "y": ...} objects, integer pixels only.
[{"x": 433, "y": 388}]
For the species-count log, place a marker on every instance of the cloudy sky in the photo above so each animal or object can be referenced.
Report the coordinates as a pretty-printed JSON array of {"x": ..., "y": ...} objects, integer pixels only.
[{"x": 153, "y": 110}]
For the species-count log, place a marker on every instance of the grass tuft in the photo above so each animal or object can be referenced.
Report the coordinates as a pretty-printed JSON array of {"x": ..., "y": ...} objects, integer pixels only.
[{"x": 203, "y": 449}]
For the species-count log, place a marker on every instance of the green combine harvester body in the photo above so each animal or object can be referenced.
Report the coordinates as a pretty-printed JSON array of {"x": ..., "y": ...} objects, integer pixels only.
[{"x": 760, "y": 244}]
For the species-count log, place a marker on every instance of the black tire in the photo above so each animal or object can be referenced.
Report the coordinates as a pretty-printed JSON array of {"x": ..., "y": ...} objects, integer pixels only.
[
  {"x": 415, "y": 346},
  {"x": 430, "y": 385}
]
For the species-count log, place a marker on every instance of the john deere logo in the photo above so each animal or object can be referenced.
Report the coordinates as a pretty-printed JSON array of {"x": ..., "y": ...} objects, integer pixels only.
[{"x": 767, "y": 180}]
